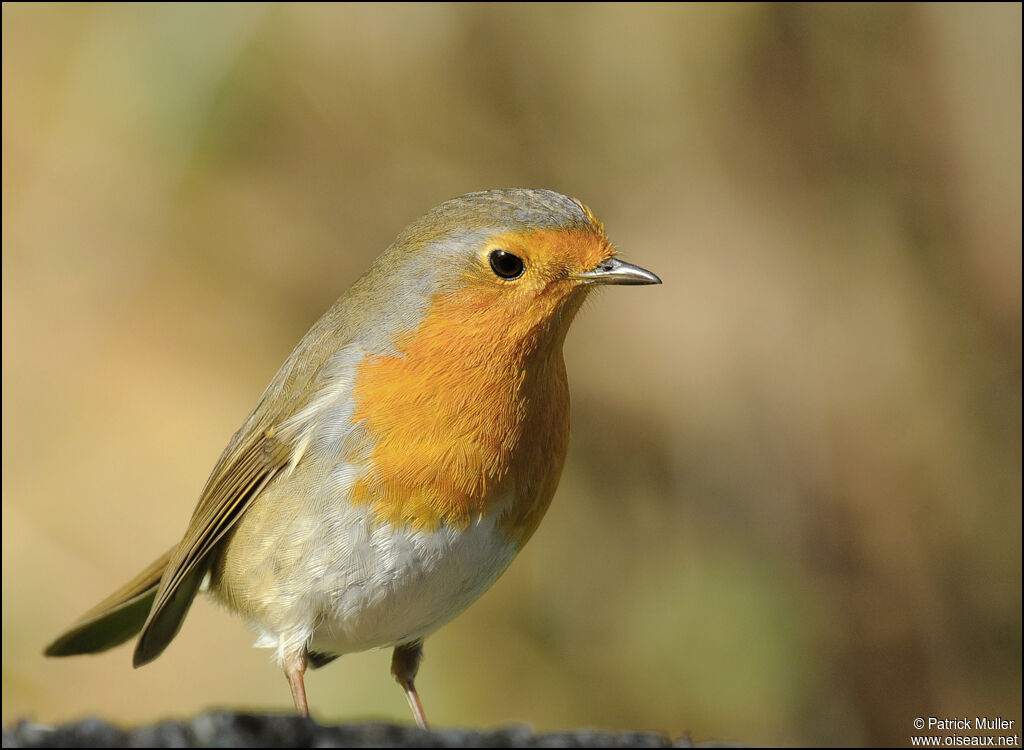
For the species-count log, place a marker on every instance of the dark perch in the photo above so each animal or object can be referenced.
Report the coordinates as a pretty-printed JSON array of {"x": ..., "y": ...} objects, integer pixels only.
[{"x": 229, "y": 729}]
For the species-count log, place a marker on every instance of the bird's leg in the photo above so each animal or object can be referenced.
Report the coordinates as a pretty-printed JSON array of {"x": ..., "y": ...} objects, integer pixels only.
[
  {"x": 405, "y": 662},
  {"x": 294, "y": 668}
]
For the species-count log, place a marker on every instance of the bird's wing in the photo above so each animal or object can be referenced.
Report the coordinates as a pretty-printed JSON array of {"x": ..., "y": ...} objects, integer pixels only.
[{"x": 250, "y": 462}]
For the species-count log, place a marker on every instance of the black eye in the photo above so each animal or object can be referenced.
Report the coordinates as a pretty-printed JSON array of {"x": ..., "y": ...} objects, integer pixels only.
[{"x": 506, "y": 265}]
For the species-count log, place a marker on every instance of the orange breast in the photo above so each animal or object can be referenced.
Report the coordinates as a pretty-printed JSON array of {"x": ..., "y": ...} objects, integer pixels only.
[{"x": 473, "y": 412}]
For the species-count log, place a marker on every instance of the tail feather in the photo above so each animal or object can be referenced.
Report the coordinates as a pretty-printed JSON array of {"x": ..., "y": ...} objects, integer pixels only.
[
  {"x": 116, "y": 619},
  {"x": 160, "y": 626}
]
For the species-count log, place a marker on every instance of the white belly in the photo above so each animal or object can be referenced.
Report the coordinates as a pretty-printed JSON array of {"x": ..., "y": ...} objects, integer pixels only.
[
  {"x": 364, "y": 584},
  {"x": 406, "y": 583}
]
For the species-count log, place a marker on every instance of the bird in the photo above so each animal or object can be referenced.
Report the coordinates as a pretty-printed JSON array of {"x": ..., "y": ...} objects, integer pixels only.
[{"x": 401, "y": 456}]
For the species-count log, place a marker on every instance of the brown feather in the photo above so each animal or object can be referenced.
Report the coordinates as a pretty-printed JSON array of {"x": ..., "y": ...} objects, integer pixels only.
[{"x": 238, "y": 478}]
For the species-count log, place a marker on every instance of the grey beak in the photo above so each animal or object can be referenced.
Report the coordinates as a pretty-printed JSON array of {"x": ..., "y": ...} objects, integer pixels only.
[{"x": 615, "y": 271}]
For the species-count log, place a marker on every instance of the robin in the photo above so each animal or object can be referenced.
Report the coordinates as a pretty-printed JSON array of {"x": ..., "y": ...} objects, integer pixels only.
[{"x": 400, "y": 458}]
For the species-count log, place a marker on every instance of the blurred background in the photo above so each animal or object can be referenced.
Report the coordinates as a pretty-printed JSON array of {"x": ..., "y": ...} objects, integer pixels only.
[{"x": 791, "y": 511}]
